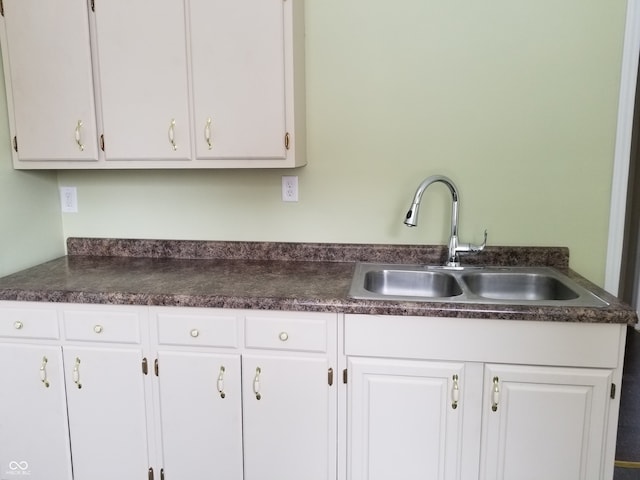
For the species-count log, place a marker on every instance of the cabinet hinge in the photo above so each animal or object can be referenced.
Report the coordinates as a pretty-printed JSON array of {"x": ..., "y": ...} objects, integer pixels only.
[
  {"x": 15, "y": 139},
  {"x": 1, "y": 8},
  {"x": 155, "y": 367},
  {"x": 150, "y": 474},
  {"x": 145, "y": 366},
  {"x": 613, "y": 390},
  {"x": 162, "y": 474},
  {"x": 93, "y": 5},
  {"x": 287, "y": 140},
  {"x": 330, "y": 377},
  {"x": 102, "y": 142},
  {"x": 344, "y": 376}
]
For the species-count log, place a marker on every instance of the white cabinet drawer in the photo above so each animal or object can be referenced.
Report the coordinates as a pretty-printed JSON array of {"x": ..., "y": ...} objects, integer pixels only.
[
  {"x": 197, "y": 328},
  {"x": 300, "y": 332},
  {"x": 29, "y": 323},
  {"x": 122, "y": 326},
  {"x": 483, "y": 340}
]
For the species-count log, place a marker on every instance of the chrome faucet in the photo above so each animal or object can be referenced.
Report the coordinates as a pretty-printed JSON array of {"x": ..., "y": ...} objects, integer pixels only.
[{"x": 455, "y": 248}]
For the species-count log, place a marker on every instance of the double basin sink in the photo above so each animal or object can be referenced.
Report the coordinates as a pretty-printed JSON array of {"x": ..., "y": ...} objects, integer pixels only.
[{"x": 497, "y": 285}]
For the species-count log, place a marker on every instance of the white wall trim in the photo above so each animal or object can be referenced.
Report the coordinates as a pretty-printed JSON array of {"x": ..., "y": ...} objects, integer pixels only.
[{"x": 624, "y": 131}]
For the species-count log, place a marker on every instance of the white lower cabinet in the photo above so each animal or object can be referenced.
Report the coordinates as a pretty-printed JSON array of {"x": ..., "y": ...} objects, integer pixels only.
[
  {"x": 246, "y": 395},
  {"x": 107, "y": 419},
  {"x": 96, "y": 392},
  {"x": 405, "y": 419},
  {"x": 34, "y": 436},
  {"x": 200, "y": 413},
  {"x": 544, "y": 422},
  {"x": 106, "y": 382},
  {"x": 287, "y": 418},
  {"x": 534, "y": 400}
]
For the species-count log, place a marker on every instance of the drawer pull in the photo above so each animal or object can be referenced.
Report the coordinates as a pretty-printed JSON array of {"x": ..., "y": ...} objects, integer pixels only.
[
  {"x": 495, "y": 394},
  {"x": 43, "y": 372},
  {"x": 18, "y": 325},
  {"x": 455, "y": 393},
  {"x": 284, "y": 336},
  {"x": 76, "y": 373},
  {"x": 220, "y": 383},
  {"x": 98, "y": 329},
  {"x": 256, "y": 383},
  {"x": 194, "y": 333}
]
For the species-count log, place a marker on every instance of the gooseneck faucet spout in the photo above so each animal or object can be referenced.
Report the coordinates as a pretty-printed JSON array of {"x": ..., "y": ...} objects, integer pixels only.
[{"x": 455, "y": 248}]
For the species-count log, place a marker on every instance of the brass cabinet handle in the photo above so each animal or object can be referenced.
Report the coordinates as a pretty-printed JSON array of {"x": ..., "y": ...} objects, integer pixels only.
[
  {"x": 256, "y": 383},
  {"x": 43, "y": 372},
  {"x": 207, "y": 133},
  {"x": 76, "y": 373},
  {"x": 220, "y": 383},
  {"x": 495, "y": 394},
  {"x": 455, "y": 392},
  {"x": 172, "y": 128},
  {"x": 78, "y": 136}
]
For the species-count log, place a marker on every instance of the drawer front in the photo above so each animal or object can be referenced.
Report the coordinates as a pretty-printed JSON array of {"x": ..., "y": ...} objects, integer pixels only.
[
  {"x": 197, "y": 329},
  {"x": 484, "y": 340},
  {"x": 305, "y": 334},
  {"x": 102, "y": 326},
  {"x": 29, "y": 323}
]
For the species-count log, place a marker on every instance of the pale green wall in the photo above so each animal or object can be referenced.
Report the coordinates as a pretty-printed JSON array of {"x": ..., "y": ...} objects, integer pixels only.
[
  {"x": 30, "y": 223},
  {"x": 514, "y": 100}
]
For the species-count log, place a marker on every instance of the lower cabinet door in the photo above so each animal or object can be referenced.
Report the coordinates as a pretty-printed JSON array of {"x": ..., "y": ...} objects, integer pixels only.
[
  {"x": 201, "y": 418},
  {"x": 289, "y": 418},
  {"x": 543, "y": 422},
  {"x": 107, "y": 413},
  {"x": 404, "y": 419},
  {"x": 34, "y": 435}
]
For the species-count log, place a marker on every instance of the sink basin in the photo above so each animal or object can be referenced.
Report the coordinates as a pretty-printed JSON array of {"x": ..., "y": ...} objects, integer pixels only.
[
  {"x": 411, "y": 283},
  {"x": 488, "y": 285},
  {"x": 518, "y": 286}
]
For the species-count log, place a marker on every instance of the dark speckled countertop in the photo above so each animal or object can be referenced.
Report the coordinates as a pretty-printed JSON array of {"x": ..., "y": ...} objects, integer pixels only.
[{"x": 272, "y": 276}]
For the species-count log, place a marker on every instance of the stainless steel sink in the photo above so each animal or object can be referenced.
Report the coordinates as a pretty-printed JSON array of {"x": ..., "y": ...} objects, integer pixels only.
[
  {"x": 411, "y": 283},
  {"x": 495, "y": 285},
  {"x": 518, "y": 286}
]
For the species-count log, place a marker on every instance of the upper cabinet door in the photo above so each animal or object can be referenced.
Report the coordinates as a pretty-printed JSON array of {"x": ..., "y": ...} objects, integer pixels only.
[
  {"x": 141, "y": 52},
  {"x": 49, "y": 80},
  {"x": 238, "y": 53}
]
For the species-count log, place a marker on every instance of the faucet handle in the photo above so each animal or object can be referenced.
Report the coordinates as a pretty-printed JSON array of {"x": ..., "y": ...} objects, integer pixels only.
[{"x": 470, "y": 248}]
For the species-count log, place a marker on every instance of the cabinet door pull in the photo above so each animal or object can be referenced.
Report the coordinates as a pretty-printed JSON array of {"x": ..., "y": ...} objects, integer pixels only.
[
  {"x": 76, "y": 373},
  {"x": 172, "y": 128},
  {"x": 455, "y": 392},
  {"x": 256, "y": 383},
  {"x": 495, "y": 394},
  {"x": 78, "y": 137},
  {"x": 43, "y": 372},
  {"x": 18, "y": 325},
  {"x": 220, "y": 383},
  {"x": 207, "y": 133}
]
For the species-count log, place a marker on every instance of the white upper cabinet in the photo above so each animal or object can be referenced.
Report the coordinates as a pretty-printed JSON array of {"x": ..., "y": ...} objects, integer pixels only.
[
  {"x": 142, "y": 63},
  {"x": 238, "y": 53},
  {"x": 155, "y": 83},
  {"x": 49, "y": 81}
]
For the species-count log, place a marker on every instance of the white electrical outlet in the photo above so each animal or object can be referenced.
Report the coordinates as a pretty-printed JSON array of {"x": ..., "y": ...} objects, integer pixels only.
[
  {"x": 290, "y": 188},
  {"x": 69, "y": 199}
]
